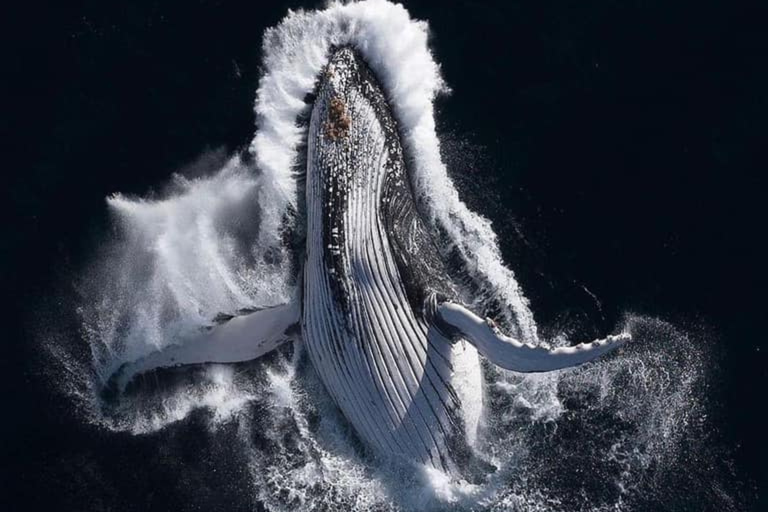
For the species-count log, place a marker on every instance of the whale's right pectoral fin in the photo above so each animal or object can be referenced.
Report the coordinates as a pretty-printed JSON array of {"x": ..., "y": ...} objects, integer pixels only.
[
  {"x": 239, "y": 338},
  {"x": 457, "y": 321}
]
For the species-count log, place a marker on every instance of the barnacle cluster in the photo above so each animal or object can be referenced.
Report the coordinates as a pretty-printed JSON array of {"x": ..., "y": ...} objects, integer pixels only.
[{"x": 338, "y": 122}]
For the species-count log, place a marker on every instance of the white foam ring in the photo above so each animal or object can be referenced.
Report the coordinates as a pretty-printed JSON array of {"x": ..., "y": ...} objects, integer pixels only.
[{"x": 214, "y": 244}]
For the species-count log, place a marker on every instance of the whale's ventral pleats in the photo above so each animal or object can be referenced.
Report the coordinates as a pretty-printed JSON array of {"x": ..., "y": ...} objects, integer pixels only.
[{"x": 387, "y": 370}]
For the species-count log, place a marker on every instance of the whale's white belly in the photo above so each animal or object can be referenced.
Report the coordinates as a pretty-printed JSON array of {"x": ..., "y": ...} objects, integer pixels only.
[{"x": 388, "y": 371}]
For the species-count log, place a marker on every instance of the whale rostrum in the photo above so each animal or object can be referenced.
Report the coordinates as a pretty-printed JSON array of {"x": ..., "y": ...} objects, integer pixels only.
[{"x": 379, "y": 317}]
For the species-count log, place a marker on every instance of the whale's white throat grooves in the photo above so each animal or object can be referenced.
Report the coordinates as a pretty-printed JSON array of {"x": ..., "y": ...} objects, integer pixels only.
[{"x": 371, "y": 349}]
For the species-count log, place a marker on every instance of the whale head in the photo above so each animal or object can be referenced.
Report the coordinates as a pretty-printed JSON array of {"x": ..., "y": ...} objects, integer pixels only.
[{"x": 351, "y": 115}]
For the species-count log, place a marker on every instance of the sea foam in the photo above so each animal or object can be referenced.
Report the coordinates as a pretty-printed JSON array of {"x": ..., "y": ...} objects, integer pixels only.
[{"x": 216, "y": 244}]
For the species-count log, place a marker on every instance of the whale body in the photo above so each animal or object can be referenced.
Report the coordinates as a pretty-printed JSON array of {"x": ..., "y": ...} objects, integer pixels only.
[
  {"x": 380, "y": 319},
  {"x": 370, "y": 265}
]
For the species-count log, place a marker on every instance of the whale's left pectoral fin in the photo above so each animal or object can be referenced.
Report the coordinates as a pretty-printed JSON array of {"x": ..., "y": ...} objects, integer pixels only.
[
  {"x": 456, "y": 320},
  {"x": 238, "y": 338}
]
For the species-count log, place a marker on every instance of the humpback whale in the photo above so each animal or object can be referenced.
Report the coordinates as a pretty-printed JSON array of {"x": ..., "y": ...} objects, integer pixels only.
[{"x": 381, "y": 321}]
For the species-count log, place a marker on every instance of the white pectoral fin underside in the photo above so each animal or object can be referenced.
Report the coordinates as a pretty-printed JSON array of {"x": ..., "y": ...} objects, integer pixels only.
[
  {"x": 513, "y": 355},
  {"x": 241, "y": 338}
]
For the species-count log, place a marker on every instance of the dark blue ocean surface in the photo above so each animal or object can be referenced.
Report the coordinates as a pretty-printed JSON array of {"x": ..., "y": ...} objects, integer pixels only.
[{"x": 616, "y": 147}]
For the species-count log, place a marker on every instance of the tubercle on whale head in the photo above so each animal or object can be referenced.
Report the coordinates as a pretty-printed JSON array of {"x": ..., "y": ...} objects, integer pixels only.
[
  {"x": 345, "y": 86},
  {"x": 340, "y": 76}
]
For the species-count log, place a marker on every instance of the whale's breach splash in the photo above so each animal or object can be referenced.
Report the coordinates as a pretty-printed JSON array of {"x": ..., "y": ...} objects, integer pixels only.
[
  {"x": 386, "y": 295},
  {"x": 379, "y": 313}
]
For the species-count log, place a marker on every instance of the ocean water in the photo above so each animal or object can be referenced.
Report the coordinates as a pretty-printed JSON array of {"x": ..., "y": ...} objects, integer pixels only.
[{"x": 638, "y": 430}]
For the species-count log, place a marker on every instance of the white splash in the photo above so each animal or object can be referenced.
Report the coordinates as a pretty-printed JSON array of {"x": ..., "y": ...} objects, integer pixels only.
[
  {"x": 395, "y": 46},
  {"x": 176, "y": 263},
  {"x": 215, "y": 244}
]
